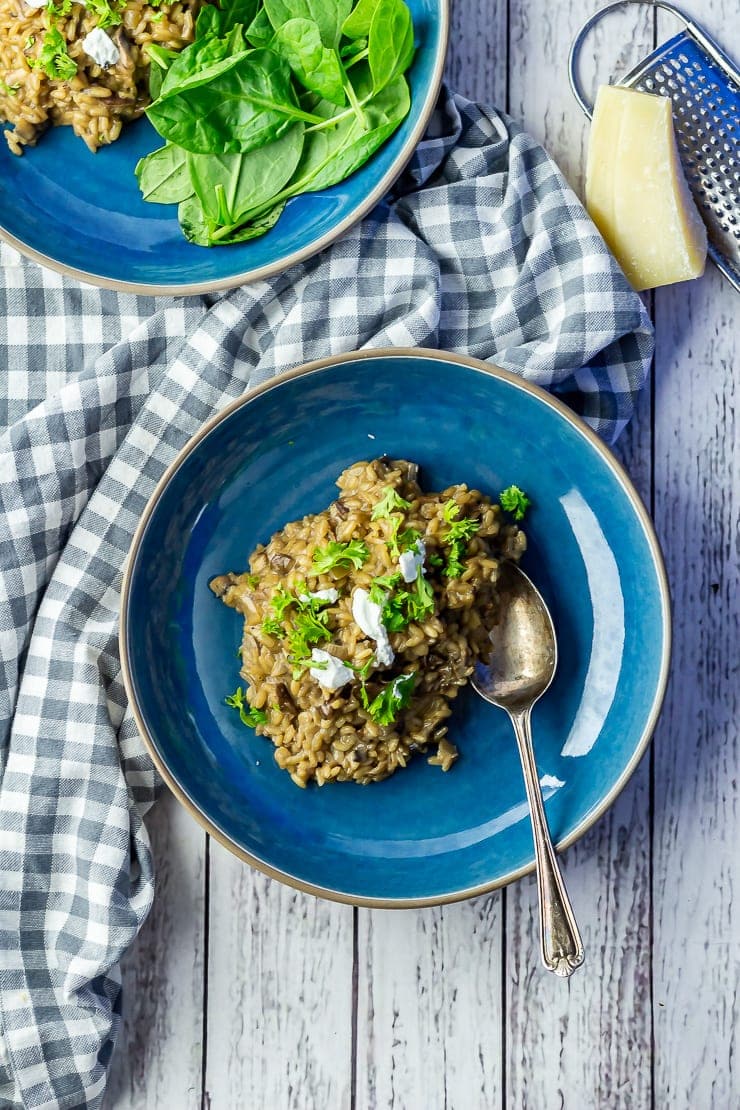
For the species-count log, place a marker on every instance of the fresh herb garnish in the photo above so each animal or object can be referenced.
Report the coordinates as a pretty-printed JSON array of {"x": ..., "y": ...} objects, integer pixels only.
[
  {"x": 385, "y": 707},
  {"x": 401, "y": 607},
  {"x": 53, "y": 57},
  {"x": 381, "y": 586},
  {"x": 308, "y": 628},
  {"x": 401, "y": 541},
  {"x": 8, "y": 90},
  {"x": 249, "y": 717},
  {"x": 282, "y": 600},
  {"x": 390, "y": 502},
  {"x": 107, "y": 14},
  {"x": 30, "y": 42},
  {"x": 514, "y": 501},
  {"x": 253, "y": 581},
  {"x": 351, "y": 554},
  {"x": 435, "y": 560},
  {"x": 273, "y": 627},
  {"x": 457, "y": 536}
]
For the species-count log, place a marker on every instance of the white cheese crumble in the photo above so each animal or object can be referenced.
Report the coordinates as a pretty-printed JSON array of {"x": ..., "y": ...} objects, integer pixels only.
[
  {"x": 321, "y": 595},
  {"x": 101, "y": 48},
  {"x": 367, "y": 615},
  {"x": 332, "y": 676},
  {"x": 36, "y": 3},
  {"x": 410, "y": 561}
]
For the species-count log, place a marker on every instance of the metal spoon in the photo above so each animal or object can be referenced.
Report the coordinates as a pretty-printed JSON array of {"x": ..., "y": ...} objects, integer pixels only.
[{"x": 522, "y": 665}]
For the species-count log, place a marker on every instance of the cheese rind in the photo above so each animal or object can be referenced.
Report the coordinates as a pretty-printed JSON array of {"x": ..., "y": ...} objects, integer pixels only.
[{"x": 636, "y": 191}]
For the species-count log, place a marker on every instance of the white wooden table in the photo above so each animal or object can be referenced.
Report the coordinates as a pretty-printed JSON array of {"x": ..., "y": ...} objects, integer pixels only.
[{"x": 244, "y": 995}]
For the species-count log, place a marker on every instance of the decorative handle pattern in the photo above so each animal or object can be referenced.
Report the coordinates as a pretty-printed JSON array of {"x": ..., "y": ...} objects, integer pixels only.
[{"x": 561, "y": 944}]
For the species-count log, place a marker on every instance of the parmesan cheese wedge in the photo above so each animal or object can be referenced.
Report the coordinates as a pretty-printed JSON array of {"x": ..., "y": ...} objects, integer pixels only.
[{"x": 636, "y": 192}]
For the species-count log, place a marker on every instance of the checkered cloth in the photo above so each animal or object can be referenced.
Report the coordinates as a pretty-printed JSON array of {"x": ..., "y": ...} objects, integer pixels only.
[{"x": 483, "y": 249}]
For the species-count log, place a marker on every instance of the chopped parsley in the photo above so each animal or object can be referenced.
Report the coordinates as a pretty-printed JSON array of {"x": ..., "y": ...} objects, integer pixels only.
[
  {"x": 402, "y": 541},
  {"x": 53, "y": 57},
  {"x": 282, "y": 600},
  {"x": 309, "y": 627},
  {"x": 401, "y": 607},
  {"x": 457, "y": 536},
  {"x": 351, "y": 554},
  {"x": 253, "y": 581},
  {"x": 515, "y": 501},
  {"x": 385, "y": 707},
  {"x": 249, "y": 717},
  {"x": 379, "y": 587},
  {"x": 8, "y": 90},
  {"x": 273, "y": 627},
  {"x": 435, "y": 560},
  {"x": 30, "y": 42},
  {"x": 390, "y": 502},
  {"x": 109, "y": 14}
]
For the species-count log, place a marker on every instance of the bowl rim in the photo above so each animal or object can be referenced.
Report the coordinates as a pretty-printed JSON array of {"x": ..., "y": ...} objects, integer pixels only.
[
  {"x": 633, "y": 497},
  {"x": 187, "y": 289}
]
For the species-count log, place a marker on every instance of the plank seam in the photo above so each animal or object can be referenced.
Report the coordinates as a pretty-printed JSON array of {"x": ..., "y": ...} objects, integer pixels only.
[{"x": 205, "y": 1098}]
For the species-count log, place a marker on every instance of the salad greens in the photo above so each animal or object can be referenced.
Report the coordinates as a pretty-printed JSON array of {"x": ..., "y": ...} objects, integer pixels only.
[{"x": 273, "y": 98}]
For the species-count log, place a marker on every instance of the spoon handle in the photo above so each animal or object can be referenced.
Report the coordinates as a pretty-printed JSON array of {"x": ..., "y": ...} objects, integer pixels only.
[{"x": 562, "y": 947}]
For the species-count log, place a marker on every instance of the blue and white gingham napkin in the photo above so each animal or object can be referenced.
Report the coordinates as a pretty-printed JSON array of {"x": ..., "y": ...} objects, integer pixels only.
[{"x": 482, "y": 248}]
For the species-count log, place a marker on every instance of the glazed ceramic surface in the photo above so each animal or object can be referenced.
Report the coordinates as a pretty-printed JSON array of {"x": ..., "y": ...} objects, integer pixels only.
[
  {"x": 423, "y": 835},
  {"x": 82, "y": 213}
]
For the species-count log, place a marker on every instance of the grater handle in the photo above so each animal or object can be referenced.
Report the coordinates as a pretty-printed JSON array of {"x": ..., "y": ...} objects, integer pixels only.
[{"x": 575, "y": 50}]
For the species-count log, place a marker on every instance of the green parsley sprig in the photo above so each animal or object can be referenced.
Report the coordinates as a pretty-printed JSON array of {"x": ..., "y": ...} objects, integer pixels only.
[
  {"x": 249, "y": 717},
  {"x": 395, "y": 696},
  {"x": 515, "y": 501},
  {"x": 351, "y": 554},
  {"x": 390, "y": 502},
  {"x": 457, "y": 536},
  {"x": 401, "y": 607},
  {"x": 53, "y": 57}
]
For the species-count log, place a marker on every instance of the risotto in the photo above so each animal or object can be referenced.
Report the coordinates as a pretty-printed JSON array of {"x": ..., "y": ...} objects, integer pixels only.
[
  {"x": 82, "y": 64},
  {"x": 362, "y": 622}
]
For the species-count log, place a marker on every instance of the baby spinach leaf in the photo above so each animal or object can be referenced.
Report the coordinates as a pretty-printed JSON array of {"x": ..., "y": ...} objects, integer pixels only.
[
  {"x": 328, "y": 14},
  {"x": 241, "y": 109},
  {"x": 208, "y": 21},
  {"x": 160, "y": 60},
  {"x": 252, "y": 230},
  {"x": 193, "y": 222},
  {"x": 260, "y": 32},
  {"x": 333, "y": 154},
  {"x": 214, "y": 20},
  {"x": 357, "y": 23},
  {"x": 163, "y": 176},
  {"x": 390, "y": 42},
  {"x": 203, "y": 61},
  {"x": 243, "y": 181},
  {"x": 315, "y": 65}
]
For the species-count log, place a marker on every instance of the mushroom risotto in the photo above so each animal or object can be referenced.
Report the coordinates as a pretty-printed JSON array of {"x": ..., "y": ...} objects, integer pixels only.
[
  {"x": 362, "y": 622},
  {"x": 82, "y": 63}
]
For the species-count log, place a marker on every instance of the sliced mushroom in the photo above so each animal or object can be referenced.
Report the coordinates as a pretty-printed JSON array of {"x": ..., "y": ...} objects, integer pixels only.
[
  {"x": 280, "y": 562},
  {"x": 122, "y": 41}
]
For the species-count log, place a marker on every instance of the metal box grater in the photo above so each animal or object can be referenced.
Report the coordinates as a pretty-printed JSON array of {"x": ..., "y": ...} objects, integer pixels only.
[{"x": 705, "y": 89}]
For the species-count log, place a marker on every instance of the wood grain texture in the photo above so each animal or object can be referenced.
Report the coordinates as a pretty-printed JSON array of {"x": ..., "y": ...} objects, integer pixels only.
[
  {"x": 697, "y": 748},
  {"x": 478, "y": 55},
  {"x": 157, "y": 1064},
  {"x": 453, "y": 1010},
  {"x": 279, "y": 995},
  {"x": 429, "y": 1007},
  {"x": 585, "y": 1043}
]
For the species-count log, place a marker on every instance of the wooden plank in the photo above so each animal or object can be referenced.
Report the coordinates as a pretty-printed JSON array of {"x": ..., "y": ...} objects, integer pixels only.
[
  {"x": 429, "y": 982},
  {"x": 697, "y": 750},
  {"x": 279, "y": 1030},
  {"x": 477, "y": 58},
  {"x": 429, "y": 1007},
  {"x": 157, "y": 1063},
  {"x": 587, "y": 1042}
]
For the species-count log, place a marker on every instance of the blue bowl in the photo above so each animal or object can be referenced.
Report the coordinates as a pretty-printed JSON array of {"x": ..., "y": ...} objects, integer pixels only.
[
  {"x": 82, "y": 213},
  {"x": 422, "y": 836}
]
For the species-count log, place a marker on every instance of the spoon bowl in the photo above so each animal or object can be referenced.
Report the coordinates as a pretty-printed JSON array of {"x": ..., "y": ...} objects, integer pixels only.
[{"x": 520, "y": 669}]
